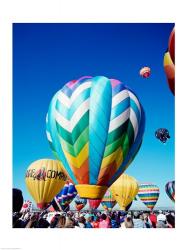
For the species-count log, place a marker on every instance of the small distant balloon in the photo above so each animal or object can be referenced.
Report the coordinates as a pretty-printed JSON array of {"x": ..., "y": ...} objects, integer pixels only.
[
  {"x": 108, "y": 201},
  {"x": 145, "y": 72},
  {"x": 80, "y": 202},
  {"x": 149, "y": 194},
  {"x": 162, "y": 134}
]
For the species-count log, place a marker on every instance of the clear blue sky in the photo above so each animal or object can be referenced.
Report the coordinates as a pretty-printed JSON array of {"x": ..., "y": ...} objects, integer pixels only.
[{"x": 46, "y": 56}]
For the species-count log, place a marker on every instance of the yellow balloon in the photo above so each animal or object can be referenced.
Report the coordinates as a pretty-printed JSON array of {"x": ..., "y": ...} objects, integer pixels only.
[
  {"x": 44, "y": 179},
  {"x": 124, "y": 190}
]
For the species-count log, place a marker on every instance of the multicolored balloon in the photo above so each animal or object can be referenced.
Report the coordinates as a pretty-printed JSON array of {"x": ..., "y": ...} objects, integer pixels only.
[
  {"x": 108, "y": 202},
  {"x": 94, "y": 203},
  {"x": 148, "y": 194},
  {"x": 162, "y": 134},
  {"x": 145, "y": 72},
  {"x": 171, "y": 45},
  {"x": 95, "y": 127},
  {"x": 169, "y": 62},
  {"x": 170, "y": 190},
  {"x": 63, "y": 199},
  {"x": 80, "y": 202},
  {"x": 124, "y": 190},
  {"x": 44, "y": 179}
]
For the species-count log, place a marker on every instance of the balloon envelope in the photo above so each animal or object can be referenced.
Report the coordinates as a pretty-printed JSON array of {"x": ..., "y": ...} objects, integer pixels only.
[
  {"x": 94, "y": 204},
  {"x": 108, "y": 202},
  {"x": 171, "y": 45},
  {"x": 65, "y": 196},
  {"x": 44, "y": 179},
  {"x": 95, "y": 127},
  {"x": 80, "y": 202},
  {"x": 162, "y": 134},
  {"x": 169, "y": 62},
  {"x": 124, "y": 190},
  {"x": 170, "y": 190},
  {"x": 145, "y": 72},
  {"x": 148, "y": 194},
  {"x": 169, "y": 68}
]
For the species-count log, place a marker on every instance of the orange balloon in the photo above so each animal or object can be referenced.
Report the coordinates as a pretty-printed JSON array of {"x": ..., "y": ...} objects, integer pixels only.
[{"x": 171, "y": 45}]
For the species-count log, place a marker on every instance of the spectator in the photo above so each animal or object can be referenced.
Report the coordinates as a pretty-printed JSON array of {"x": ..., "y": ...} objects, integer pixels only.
[
  {"x": 104, "y": 223},
  {"x": 95, "y": 223},
  {"x": 138, "y": 220},
  {"x": 61, "y": 221},
  {"x": 153, "y": 219},
  {"x": 128, "y": 223},
  {"x": 81, "y": 221},
  {"x": 170, "y": 220},
  {"x": 88, "y": 222}
]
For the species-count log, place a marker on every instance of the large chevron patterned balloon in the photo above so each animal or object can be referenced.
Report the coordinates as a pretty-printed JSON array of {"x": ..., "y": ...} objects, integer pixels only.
[{"x": 95, "y": 127}]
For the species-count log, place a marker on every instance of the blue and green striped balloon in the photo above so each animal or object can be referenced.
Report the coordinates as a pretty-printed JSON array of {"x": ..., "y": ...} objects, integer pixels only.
[{"x": 148, "y": 194}]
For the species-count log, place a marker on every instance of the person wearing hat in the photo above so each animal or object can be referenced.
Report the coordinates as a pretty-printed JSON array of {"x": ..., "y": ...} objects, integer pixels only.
[
  {"x": 161, "y": 220},
  {"x": 161, "y": 216}
]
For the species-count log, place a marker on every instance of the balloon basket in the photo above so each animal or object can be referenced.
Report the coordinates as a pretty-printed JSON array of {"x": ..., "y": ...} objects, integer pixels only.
[
  {"x": 42, "y": 205},
  {"x": 91, "y": 191}
]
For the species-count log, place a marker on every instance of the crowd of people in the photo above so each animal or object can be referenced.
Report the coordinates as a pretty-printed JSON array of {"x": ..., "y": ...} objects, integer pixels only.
[
  {"x": 88, "y": 218},
  {"x": 94, "y": 219}
]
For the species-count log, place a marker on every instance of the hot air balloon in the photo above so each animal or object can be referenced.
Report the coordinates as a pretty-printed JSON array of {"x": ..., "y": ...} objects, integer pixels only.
[
  {"x": 124, "y": 190},
  {"x": 170, "y": 190},
  {"x": 171, "y": 45},
  {"x": 94, "y": 203},
  {"x": 95, "y": 127},
  {"x": 44, "y": 179},
  {"x": 65, "y": 196},
  {"x": 162, "y": 134},
  {"x": 169, "y": 62},
  {"x": 80, "y": 202},
  {"x": 145, "y": 72},
  {"x": 148, "y": 194},
  {"x": 61, "y": 199},
  {"x": 169, "y": 68},
  {"x": 108, "y": 202}
]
